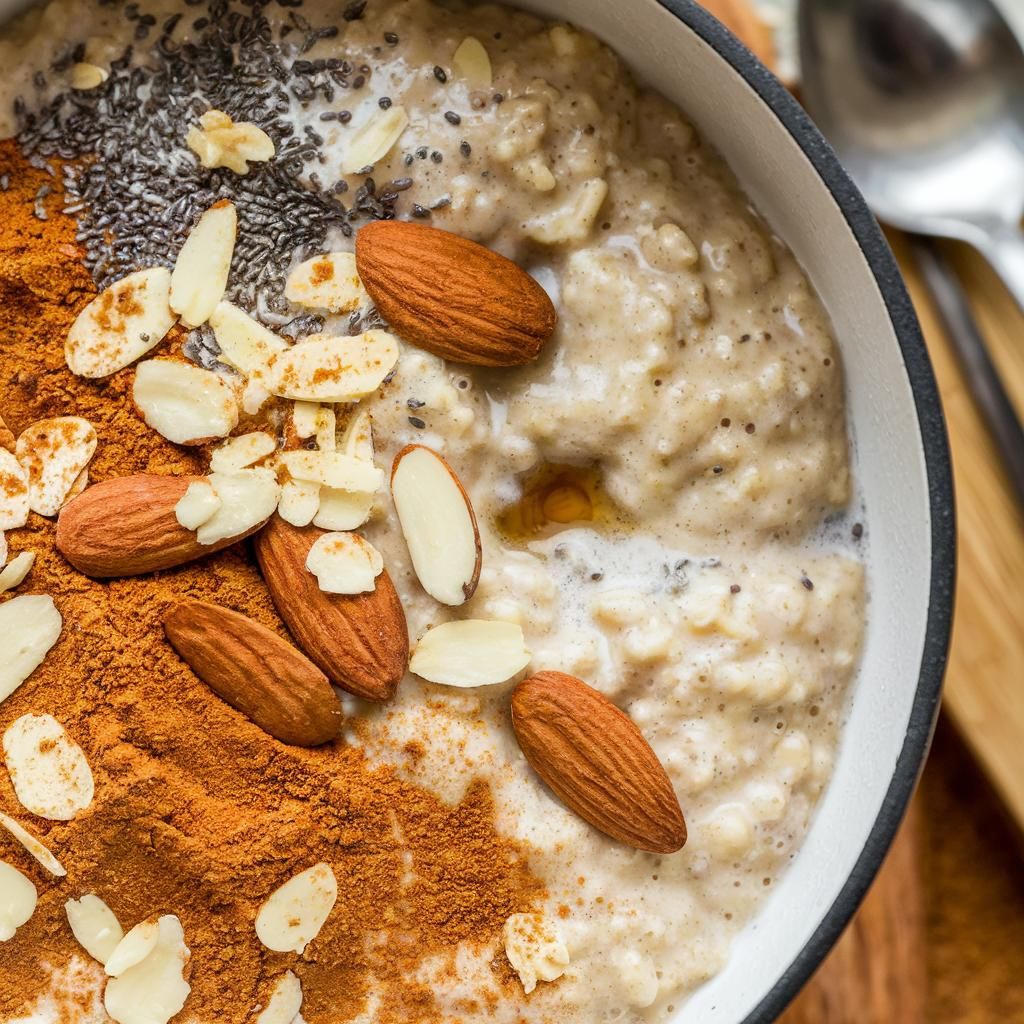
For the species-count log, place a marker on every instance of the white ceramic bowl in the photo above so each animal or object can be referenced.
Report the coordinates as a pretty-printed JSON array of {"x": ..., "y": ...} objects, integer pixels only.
[{"x": 901, "y": 464}]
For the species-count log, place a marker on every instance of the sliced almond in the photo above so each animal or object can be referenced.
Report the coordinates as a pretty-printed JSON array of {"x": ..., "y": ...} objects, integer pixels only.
[
  {"x": 94, "y": 925},
  {"x": 244, "y": 343},
  {"x": 471, "y": 652},
  {"x": 133, "y": 948},
  {"x": 247, "y": 498},
  {"x": 344, "y": 563},
  {"x": 242, "y": 451},
  {"x": 33, "y": 846},
  {"x": 155, "y": 989},
  {"x": 328, "y": 282},
  {"x": 184, "y": 403},
  {"x": 333, "y": 469},
  {"x": 14, "y": 574},
  {"x": 330, "y": 368},
  {"x": 304, "y": 416},
  {"x": 201, "y": 270},
  {"x": 326, "y": 429},
  {"x": 293, "y": 915},
  {"x": 219, "y": 141},
  {"x": 121, "y": 324},
  {"x": 300, "y": 501},
  {"x": 86, "y": 76},
  {"x": 373, "y": 140},
  {"x": 30, "y": 625},
  {"x": 17, "y": 900},
  {"x": 54, "y": 452},
  {"x": 14, "y": 492},
  {"x": 80, "y": 484},
  {"x": 284, "y": 1002},
  {"x": 358, "y": 439},
  {"x": 534, "y": 949},
  {"x": 341, "y": 511},
  {"x": 472, "y": 63},
  {"x": 438, "y": 523},
  {"x": 254, "y": 397},
  {"x": 198, "y": 505},
  {"x": 48, "y": 769}
]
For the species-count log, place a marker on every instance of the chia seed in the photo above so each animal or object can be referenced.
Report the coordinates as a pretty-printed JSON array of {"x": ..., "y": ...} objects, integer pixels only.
[
  {"x": 451, "y": 117},
  {"x": 354, "y": 10},
  {"x": 384, "y": 102},
  {"x": 806, "y": 583},
  {"x": 417, "y": 422},
  {"x": 391, "y": 38},
  {"x": 415, "y": 403},
  {"x": 465, "y": 148},
  {"x": 436, "y": 157},
  {"x": 439, "y": 74},
  {"x": 420, "y": 211},
  {"x": 857, "y": 531}
]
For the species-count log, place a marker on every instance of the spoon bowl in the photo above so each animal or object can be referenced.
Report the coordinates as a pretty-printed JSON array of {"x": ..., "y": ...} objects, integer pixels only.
[{"x": 923, "y": 101}]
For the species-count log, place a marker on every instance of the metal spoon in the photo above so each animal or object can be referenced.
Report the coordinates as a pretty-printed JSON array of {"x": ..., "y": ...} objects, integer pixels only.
[{"x": 923, "y": 101}]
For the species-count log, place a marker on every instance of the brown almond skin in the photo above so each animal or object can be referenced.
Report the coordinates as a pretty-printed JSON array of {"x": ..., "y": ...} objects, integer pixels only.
[
  {"x": 361, "y": 641},
  {"x": 597, "y": 762},
  {"x": 468, "y": 588},
  {"x": 126, "y": 526},
  {"x": 451, "y": 296},
  {"x": 256, "y": 672}
]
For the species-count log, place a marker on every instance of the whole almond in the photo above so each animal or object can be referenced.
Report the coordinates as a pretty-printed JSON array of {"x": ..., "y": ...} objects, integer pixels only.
[
  {"x": 256, "y": 671},
  {"x": 452, "y": 296},
  {"x": 597, "y": 762},
  {"x": 127, "y": 526},
  {"x": 361, "y": 641}
]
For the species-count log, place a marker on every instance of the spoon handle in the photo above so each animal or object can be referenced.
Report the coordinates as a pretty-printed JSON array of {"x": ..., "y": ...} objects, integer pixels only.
[
  {"x": 1004, "y": 248},
  {"x": 983, "y": 378}
]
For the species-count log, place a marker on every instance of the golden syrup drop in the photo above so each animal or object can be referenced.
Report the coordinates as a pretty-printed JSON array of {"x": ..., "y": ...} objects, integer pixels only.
[{"x": 556, "y": 495}]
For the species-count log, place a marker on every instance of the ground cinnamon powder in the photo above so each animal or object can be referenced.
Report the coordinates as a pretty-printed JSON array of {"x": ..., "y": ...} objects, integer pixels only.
[{"x": 197, "y": 811}]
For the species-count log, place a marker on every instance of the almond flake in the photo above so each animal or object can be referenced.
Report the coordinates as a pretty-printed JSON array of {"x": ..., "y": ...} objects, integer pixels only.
[
  {"x": 14, "y": 574},
  {"x": 328, "y": 282},
  {"x": 358, "y": 439},
  {"x": 13, "y": 492},
  {"x": 219, "y": 141},
  {"x": 534, "y": 949},
  {"x": 80, "y": 484},
  {"x": 472, "y": 63},
  {"x": 30, "y": 625},
  {"x": 201, "y": 270},
  {"x": 48, "y": 770},
  {"x": 94, "y": 925},
  {"x": 247, "y": 497},
  {"x": 300, "y": 500},
  {"x": 198, "y": 505},
  {"x": 3, "y": 548},
  {"x": 326, "y": 429},
  {"x": 133, "y": 948},
  {"x": 121, "y": 324},
  {"x": 471, "y": 652},
  {"x": 152, "y": 991},
  {"x": 86, "y": 76},
  {"x": 329, "y": 368},
  {"x": 333, "y": 469},
  {"x": 284, "y": 1002},
  {"x": 242, "y": 452},
  {"x": 184, "y": 403},
  {"x": 344, "y": 563},
  {"x": 374, "y": 139},
  {"x": 244, "y": 342},
  {"x": 342, "y": 510},
  {"x": 254, "y": 397},
  {"x": 304, "y": 416},
  {"x": 438, "y": 523},
  {"x": 54, "y": 452},
  {"x": 293, "y": 914},
  {"x": 17, "y": 900},
  {"x": 33, "y": 846}
]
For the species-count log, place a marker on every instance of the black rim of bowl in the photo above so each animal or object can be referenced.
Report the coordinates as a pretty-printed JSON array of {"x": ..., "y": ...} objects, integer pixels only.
[{"x": 940, "y": 491}]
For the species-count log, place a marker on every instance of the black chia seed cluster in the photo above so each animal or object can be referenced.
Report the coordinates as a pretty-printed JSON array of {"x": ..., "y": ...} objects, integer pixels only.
[{"x": 135, "y": 188}]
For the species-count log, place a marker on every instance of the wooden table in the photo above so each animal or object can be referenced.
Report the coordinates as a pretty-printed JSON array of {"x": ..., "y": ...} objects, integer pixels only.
[{"x": 940, "y": 938}]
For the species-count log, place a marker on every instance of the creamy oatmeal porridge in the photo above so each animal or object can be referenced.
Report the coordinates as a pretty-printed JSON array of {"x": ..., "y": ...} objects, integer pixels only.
[{"x": 649, "y": 493}]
